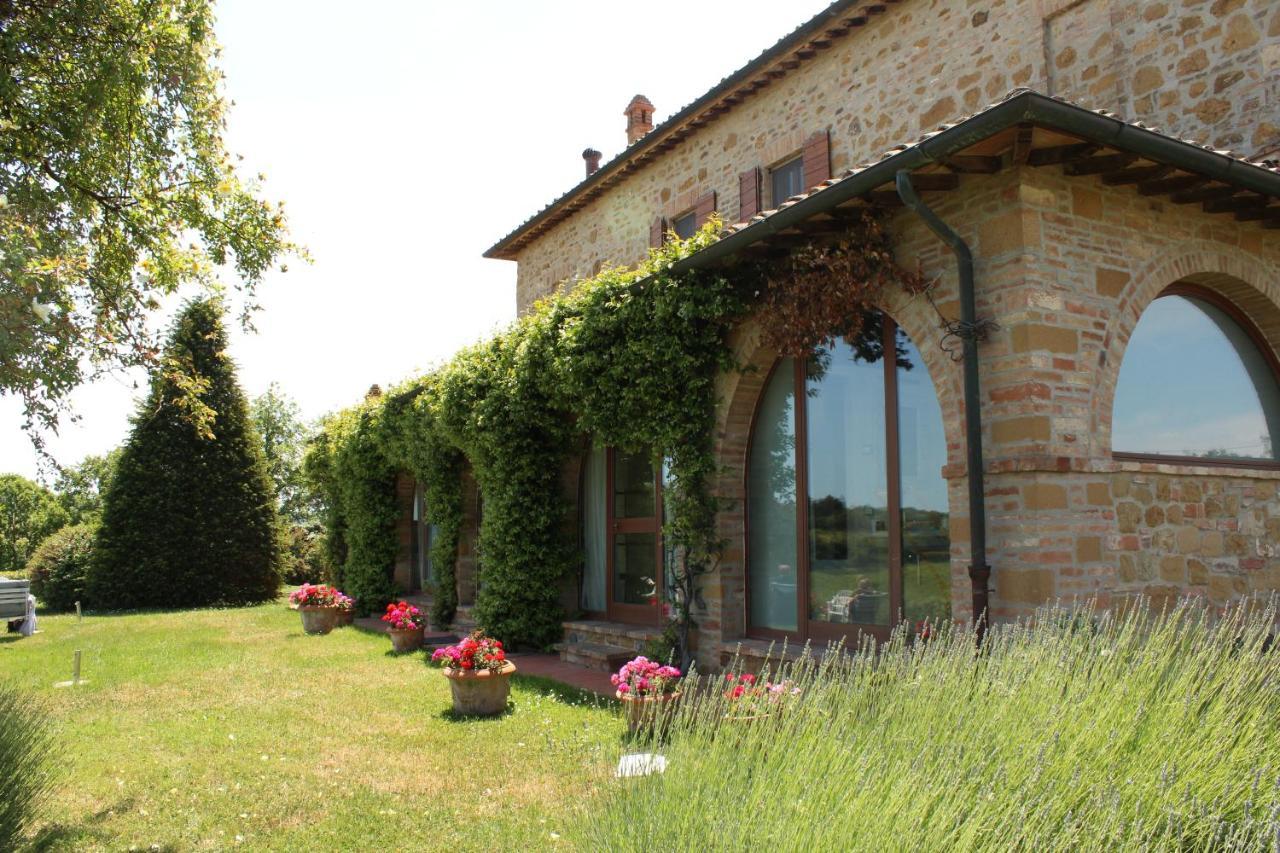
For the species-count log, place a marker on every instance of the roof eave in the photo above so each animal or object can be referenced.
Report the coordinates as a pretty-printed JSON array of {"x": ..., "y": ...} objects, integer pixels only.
[{"x": 1024, "y": 107}]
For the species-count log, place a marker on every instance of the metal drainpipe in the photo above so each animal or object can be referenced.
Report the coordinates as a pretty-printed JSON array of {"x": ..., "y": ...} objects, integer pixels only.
[{"x": 979, "y": 571}]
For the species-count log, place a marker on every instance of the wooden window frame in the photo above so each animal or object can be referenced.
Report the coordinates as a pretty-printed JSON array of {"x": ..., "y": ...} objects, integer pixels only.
[
  {"x": 1255, "y": 336},
  {"x": 795, "y": 157},
  {"x": 633, "y": 614},
  {"x": 692, "y": 215},
  {"x": 811, "y": 630}
]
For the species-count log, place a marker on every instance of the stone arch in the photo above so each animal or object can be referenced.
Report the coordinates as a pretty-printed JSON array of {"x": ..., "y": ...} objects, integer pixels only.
[
  {"x": 739, "y": 393},
  {"x": 1249, "y": 283}
]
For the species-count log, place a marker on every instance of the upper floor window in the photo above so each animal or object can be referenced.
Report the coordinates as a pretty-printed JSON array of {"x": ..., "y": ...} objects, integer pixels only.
[
  {"x": 685, "y": 226},
  {"x": 786, "y": 179},
  {"x": 1197, "y": 381}
]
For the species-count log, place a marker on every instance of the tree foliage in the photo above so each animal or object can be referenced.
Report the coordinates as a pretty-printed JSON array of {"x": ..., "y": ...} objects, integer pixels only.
[
  {"x": 115, "y": 187},
  {"x": 189, "y": 518},
  {"x": 278, "y": 420},
  {"x": 28, "y": 513},
  {"x": 80, "y": 487}
]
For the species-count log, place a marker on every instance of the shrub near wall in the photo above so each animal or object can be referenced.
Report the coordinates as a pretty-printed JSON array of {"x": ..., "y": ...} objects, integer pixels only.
[{"x": 629, "y": 358}]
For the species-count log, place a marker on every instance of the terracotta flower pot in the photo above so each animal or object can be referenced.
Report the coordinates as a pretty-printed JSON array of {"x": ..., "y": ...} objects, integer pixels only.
[
  {"x": 345, "y": 617},
  {"x": 644, "y": 713},
  {"x": 318, "y": 620},
  {"x": 480, "y": 694},
  {"x": 407, "y": 640}
]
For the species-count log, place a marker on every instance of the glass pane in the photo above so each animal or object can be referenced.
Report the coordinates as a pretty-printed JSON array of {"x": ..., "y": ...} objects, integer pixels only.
[
  {"x": 848, "y": 487},
  {"x": 635, "y": 564},
  {"x": 685, "y": 226},
  {"x": 594, "y": 530},
  {"x": 669, "y": 554},
  {"x": 432, "y": 532},
  {"x": 787, "y": 180},
  {"x": 926, "y": 533},
  {"x": 771, "y": 509},
  {"x": 1192, "y": 383},
  {"x": 633, "y": 495}
]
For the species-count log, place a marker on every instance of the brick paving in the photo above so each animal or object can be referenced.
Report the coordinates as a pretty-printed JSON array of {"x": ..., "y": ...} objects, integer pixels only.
[
  {"x": 527, "y": 663},
  {"x": 550, "y": 666}
]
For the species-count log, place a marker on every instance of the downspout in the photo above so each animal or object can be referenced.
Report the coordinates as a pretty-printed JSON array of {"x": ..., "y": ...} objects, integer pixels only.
[{"x": 968, "y": 331}]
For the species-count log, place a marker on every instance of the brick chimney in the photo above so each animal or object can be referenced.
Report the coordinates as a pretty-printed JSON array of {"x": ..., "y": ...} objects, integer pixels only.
[
  {"x": 592, "y": 156},
  {"x": 639, "y": 115}
]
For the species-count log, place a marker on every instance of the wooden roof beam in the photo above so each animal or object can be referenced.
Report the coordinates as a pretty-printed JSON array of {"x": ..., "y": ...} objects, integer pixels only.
[
  {"x": 1236, "y": 204},
  {"x": 973, "y": 164},
  {"x": 1203, "y": 194},
  {"x": 1136, "y": 175},
  {"x": 1170, "y": 185},
  {"x": 1098, "y": 165},
  {"x": 1022, "y": 144},
  {"x": 1256, "y": 214},
  {"x": 1055, "y": 154}
]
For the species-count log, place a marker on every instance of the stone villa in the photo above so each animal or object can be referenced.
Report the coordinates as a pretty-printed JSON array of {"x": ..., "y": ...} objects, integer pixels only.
[{"x": 1107, "y": 166}]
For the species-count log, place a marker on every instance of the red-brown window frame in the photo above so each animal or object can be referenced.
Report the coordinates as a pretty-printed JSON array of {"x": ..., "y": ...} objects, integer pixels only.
[
  {"x": 1255, "y": 336},
  {"x": 806, "y": 628},
  {"x": 633, "y": 614}
]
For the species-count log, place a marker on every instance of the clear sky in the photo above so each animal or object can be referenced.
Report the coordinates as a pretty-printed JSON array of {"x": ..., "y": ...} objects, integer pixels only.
[{"x": 406, "y": 137}]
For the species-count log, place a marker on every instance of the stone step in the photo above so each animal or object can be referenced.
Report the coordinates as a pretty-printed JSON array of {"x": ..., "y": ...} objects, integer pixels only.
[
  {"x": 621, "y": 635},
  {"x": 597, "y": 656}
]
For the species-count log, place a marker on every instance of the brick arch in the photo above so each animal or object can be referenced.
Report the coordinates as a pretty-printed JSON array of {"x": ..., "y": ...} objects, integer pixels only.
[
  {"x": 739, "y": 393},
  {"x": 1248, "y": 282}
]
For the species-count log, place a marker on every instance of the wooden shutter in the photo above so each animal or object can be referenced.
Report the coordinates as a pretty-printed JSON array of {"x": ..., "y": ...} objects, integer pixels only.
[
  {"x": 657, "y": 232},
  {"x": 703, "y": 208},
  {"x": 817, "y": 159},
  {"x": 749, "y": 194}
]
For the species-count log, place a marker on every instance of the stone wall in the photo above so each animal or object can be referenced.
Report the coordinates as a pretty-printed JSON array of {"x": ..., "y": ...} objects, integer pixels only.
[
  {"x": 1065, "y": 266},
  {"x": 1207, "y": 69}
]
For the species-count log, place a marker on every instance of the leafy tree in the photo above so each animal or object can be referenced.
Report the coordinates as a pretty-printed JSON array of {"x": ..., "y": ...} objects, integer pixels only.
[
  {"x": 279, "y": 423},
  {"x": 189, "y": 518},
  {"x": 28, "y": 513},
  {"x": 115, "y": 188},
  {"x": 80, "y": 487}
]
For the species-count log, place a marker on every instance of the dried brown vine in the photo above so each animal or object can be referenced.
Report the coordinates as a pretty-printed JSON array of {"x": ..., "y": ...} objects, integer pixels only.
[{"x": 826, "y": 290}]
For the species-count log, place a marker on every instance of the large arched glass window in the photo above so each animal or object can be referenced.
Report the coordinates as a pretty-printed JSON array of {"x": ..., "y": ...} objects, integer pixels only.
[
  {"x": 1196, "y": 383},
  {"x": 847, "y": 515}
]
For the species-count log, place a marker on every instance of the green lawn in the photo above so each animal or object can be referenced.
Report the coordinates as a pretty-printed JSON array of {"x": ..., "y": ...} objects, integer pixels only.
[{"x": 215, "y": 728}]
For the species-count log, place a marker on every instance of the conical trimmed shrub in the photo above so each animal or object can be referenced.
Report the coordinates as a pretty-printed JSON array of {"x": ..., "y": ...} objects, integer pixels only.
[{"x": 190, "y": 517}]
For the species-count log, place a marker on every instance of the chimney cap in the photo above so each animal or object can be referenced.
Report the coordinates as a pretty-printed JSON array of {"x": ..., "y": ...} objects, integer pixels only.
[
  {"x": 590, "y": 153},
  {"x": 638, "y": 102}
]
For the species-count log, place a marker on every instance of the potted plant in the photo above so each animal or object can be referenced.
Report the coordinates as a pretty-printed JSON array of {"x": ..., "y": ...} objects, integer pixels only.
[
  {"x": 646, "y": 690},
  {"x": 406, "y": 625},
  {"x": 346, "y": 609},
  {"x": 479, "y": 675},
  {"x": 318, "y": 605}
]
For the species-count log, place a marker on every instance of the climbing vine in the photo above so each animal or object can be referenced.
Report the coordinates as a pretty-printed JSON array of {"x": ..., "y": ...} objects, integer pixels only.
[{"x": 628, "y": 359}]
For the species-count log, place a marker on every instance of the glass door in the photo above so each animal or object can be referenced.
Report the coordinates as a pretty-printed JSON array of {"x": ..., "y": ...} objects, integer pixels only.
[{"x": 634, "y": 549}]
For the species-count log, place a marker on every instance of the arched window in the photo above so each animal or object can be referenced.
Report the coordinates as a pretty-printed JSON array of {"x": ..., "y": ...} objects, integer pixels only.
[
  {"x": 1197, "y": 383},
  {"x": 847, "y": 514}
]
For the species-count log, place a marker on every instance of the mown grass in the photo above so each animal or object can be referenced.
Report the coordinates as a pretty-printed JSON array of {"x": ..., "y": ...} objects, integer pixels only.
[
  {"x": 1092, "y": 733},
  {"x": 216, "y": 728}
]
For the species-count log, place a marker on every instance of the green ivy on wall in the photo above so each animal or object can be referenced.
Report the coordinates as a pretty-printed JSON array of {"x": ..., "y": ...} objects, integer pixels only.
[{"x": 628, "y": 358}]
